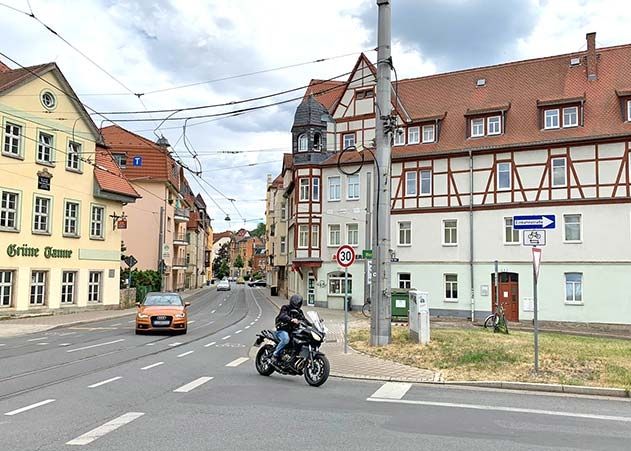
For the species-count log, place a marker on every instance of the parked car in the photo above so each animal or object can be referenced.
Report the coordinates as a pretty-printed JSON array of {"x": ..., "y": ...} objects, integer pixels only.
[
  {"x": 257, "y": 283},
  {"x": 223, "y": 285},
  {"x": 162, "y": 311},
  {"x": 240, "y": 281}
]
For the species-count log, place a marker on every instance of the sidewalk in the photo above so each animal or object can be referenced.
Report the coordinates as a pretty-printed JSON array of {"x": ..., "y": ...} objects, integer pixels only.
[{"x": 33, "y": 324}]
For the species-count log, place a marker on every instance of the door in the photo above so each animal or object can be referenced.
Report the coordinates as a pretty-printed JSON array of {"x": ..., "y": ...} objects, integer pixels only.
[
  {"x": 311, "y": 289},
  {"x": 509, "y": 294}
]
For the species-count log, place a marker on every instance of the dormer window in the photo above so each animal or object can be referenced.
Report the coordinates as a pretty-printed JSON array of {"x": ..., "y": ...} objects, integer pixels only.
[
  {"x": 303, "y": 143},
  {"x": 561, "y": 113},
  {"x": 494, "y": 125},
  {"x": 629, "y": 110},
  {"x": 477, "y": 127},
  {"x": 570, "y": 116},
  {"x": 414, "y": 135},
  {"x": 551, "y": 119}
]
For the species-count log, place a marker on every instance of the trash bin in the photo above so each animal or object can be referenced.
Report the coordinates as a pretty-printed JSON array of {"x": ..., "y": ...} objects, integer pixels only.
[
  {"x": 400, "y": 304},
  {"x": 349, "y": 300},
  {"x": 274, "y": 291}
]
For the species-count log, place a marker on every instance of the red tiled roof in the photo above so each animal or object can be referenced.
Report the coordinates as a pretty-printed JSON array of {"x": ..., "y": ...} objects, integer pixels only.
[
  {"x": 109, "y": 176},
  {"x": 326, "y": 92},
  {"x": 12, "y": 77},
  {"x": 4, "y": 67}
]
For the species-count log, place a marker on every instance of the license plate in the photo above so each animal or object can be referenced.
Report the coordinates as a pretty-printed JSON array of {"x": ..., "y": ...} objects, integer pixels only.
[{"x": 160, "y": 323}]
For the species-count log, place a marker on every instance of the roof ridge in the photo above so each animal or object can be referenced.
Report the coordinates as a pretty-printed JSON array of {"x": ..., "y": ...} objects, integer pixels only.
[{"x": 147, "y": 140}]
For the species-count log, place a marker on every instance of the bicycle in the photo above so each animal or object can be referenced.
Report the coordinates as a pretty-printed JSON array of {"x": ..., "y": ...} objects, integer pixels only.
[
  {"x": 366, "y": 309},
  {"x": 497, "y": 320}
]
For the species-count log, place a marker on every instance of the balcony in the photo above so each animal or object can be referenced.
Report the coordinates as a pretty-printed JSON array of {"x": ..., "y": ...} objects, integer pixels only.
[
  {"x": 179, "y": 263},
  {"x": 181, "y": 215},
  {"x": 180, "y": 239}
]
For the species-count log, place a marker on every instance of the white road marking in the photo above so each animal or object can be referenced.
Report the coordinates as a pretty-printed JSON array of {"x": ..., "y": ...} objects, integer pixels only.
[
  {"x": 96, "y": 346},
  {"x": 148, "y": 367},
  {"x": 213, "y": 311},
  {"x": 192, "y": 321},
  {"x": 2, "y": 344},
  {"x": 32, "y": 406},
  {"x": 392, "y": 390},
  {"x": 110, "y": 426},
  {"x": 237, "y": 362},
  {"x": 65, "y": 344},
  {"x": 506, "y": 409},
  {"x": 210, "y": 344},
  {"x": 239, "y": 331},
  {"x": 117, "y": 324},
  {"x": 150, "y": 344},
  {"x": 42, "y": 344},
  {"x": 67, "y": 333},
  {"x": 186, "y": 353},
  {"x": 37, "y": 339},
  {"x": 131, "y": 321},
  {"x": 252, "y": 323},
  {"x": 107, "y": 381},
  {"x": 226, "y": 337},
  {"x": 220, "y": 305},
  {"x": 191, "y": 385},
  {"x": 247, "y": 327},
  {"x": 177, "y": 343}
]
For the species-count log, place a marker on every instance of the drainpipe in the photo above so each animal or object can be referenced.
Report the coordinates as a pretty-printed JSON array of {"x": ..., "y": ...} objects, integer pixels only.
[{"x": 471, "y": 236}]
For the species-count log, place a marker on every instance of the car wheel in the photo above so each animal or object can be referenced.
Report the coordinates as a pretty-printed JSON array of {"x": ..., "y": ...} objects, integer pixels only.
[
  {"x": 183, "y": 332},
  {"x": 139, "y": 332}
]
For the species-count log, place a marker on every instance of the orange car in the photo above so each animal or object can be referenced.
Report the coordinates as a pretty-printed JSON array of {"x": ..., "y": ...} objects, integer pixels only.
[{"x": 162, "y": 311}]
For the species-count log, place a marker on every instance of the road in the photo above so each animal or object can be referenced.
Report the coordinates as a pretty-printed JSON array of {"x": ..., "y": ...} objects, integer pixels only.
[{"x": 100, "y": 387}]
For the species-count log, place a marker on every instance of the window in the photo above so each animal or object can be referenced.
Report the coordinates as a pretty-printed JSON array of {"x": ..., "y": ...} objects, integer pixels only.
[
  {"x": 6, "y": 288},
  {"x": 334, "y": 235},
  {"x": 334, "y": 188},
  {"x": 96, "y": 222},
  {"x": 317, "y": 141},
  {"x": 315, "y": 189},
  {"x": 450, "y": 232},
  {"x": 303, "y": 143},
  {"x": 303, "y": 236},
  {"x": 38, "y": 287},
  {"x": 494, "y": 125},
  {"x": 405, "y": 233},
  {"x": 353, "y": 187},
  {"x": 94, "y": 286},
  {"x": 510, "y": 236},
  {"x": 336, "y": 283},
  {"x": 348, "y": 140},
  {"x": 315, "y": 235},
  {"x": 9, "y": 207},
  {"x": 365, "y": 94},
  {"x": 121, "y": 159},
  {"x": 41, "y": 215},
  {"x": 399, "y": 138},
  {"x": 477, "y": 127},
  {"x": 451, "y": 287},
  {"x": 426, "y": 181},
  {"x": 283, "y": 245},
  {"x": 570, "y": 116},
  {"x": 503, "y": 175},
  {"x": 558, "y": 172},
  {"x": 68, "y": 287},
  {"x": 551, "y": 119},
  {"x": 410, "y": 183},
  {"x": 404, "y": 280},
  {"x": 574, "y": 288},
  {"x": 12, "y": 139},
  {"x": 429, "y": 134},
  {"x": 572, "y": 228},
  {"x": 352, "y": 234},
  {"x": 73, "y": 159},
  {"x": 48, "y": 100},
  {"x": 71, "y": 218},
  {"x": 629, "y": 110},
  {"x": 414, "y": 135},
  {"x": 283, "y": 211},
  {"x": 45, "y": 148},
  {"x": 304, "y": 189}
]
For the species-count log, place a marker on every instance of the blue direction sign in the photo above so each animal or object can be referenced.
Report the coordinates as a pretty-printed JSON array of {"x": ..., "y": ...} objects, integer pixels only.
[
  {"x": 137, "y": 161},
  {"x": 534, "y": 222}
]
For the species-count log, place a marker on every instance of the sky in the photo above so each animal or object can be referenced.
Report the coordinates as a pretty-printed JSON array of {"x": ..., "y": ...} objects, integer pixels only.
[{"x": 146, "y": 46}]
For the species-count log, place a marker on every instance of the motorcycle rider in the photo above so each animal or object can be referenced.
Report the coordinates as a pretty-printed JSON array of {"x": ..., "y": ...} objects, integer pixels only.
[{"x": 288, "y": 318}]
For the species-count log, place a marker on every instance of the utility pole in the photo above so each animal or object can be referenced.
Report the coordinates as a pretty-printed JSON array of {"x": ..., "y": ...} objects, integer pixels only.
[
  {"x": 160, "y": 246},
  {"x": 380, "y": 326},
  {"x": 368, "y": 240}
]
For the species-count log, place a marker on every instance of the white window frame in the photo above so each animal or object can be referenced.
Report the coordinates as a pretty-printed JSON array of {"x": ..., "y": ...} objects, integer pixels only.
[
  {"x": 352, "y": 230},
  {"x": 338, "y": 187},
  {"x": 10, "y": 139},
  {"x": 491, "y": 120},
  {"x": 283, "y": 211},
  {"x": 403, "y": 283},
  {"x": 68, "y": 288},
  {"x": 332, "y": 232},
  {"x": 444, "y": 231},
  {"x": 448, "y": 287},
  {"x": 475, "y": 124},
  {"x": 429, "y": 134},
  {"x": 315, "y": 235},
  {"x": 429, "y": 180},
  {"x": 554, "y": 184},
  {"x": 338, "y": 278},
  {"x": 303, "y": 189},
  {"x": 508, "y": 169},
  {"x": 409, "y": 175},
  {"x": 303, "y": 142},
  {"x": 404, "y": 232},
  {"x": 6, "y": 287},
  {"x": 69, "y": 219},
  {"x": 97, "y": 222},
  {"x": 414, "y": 135},
  {"x": 580, "y": 227},
  {"x": 580, "y": 283},
  {"x": 73, "y": 156},
  {"x": 283, "y": 245},
  {"x": 95, "y": 287},
  {"x": 508, "y": 224},
  {"x": 45, "y": 149},
  {"x": 352, "y": 188},
  {"x": 315, "y": 189},
  {"x": 303, "y": 236},
  {"x": 42, "y": 217},
  {"x": 629, "y": 110},
  {"x": 38, "y": 288},
  {"x": 346, "y": 145},
  {"x": 10, "y": 213},
  {"x": 549, "y": 114},
  {"x": 399, "y": 138},
  {"x": 121, "y": 159},
  {"x": 575, "y": 124}
]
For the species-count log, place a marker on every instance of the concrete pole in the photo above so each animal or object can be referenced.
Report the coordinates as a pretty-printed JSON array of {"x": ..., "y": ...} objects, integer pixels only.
[
  {"x": 380, "y": 330},
  {"x": 160, "y": 245},
  {"x": 368, "y": 238}
]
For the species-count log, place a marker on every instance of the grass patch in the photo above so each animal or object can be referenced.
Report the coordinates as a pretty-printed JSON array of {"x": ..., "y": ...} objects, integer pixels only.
[{"x": 478, "y": 354}]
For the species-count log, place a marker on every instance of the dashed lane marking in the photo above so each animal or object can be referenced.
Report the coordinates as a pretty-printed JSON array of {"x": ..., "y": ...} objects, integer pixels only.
[
  {"x": 239, "y": 331},
  {"x": 150, "y": 344},
  {"x": 96, "y": 345},
  {"x": 192, "y": 321},
  {"x": 108, "y": 427},
  {"x": 177, "y": 343},
  {"x": 226, "y": 337},
  {"x": 153, "y": 365},
  {"x": 65, "y": 344},
  {"x": 392, "y": 390},
  {"x": 252, "y": 323},
  {"x": 186, "y": 353},
  {"x": 32, "y": 406},
  {"x": 38, "y": 339},
  {"x": 210, "y": 344},
  {"x": 237, "y": 362},
  {"x": 132, "y": 321},
  {"x": 107, "y": 381},
  {"x": 247, "y": 327},
  {"x": 192, "y": 385},
  {"x": 42, "y": 344},
  {"x": 115, "y": 325},
  {"x": 213, "y": 311},
  {"x": 67, "y": 333}
]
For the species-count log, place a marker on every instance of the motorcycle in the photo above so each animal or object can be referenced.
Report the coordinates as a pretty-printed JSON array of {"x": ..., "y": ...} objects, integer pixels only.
[{"x": 301, "y": 356}]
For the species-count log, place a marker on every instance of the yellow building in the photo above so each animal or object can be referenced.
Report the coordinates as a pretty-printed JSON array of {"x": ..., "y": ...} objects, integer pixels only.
[{"x": 60, "y": 195}]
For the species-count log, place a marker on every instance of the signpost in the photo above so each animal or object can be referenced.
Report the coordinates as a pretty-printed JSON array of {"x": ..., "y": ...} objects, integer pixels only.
[
  {"x": 534, "y": 222},
  {"x": 131, "y": 262},
  {"x": 534, "y": 238},
  {"x": 345, "y": 257},
  {"x": 536, "y": 263}
]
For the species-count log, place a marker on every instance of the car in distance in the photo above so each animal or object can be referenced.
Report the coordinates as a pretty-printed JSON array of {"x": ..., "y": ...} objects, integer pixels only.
[
  {"x": 257, "y": 283},
  {"x": 223, "y": 285},
  {"x": 162, "y": 312}
]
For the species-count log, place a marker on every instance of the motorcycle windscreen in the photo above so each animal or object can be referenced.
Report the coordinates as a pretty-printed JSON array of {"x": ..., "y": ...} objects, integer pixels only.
[{"x": 314, "y": 319}]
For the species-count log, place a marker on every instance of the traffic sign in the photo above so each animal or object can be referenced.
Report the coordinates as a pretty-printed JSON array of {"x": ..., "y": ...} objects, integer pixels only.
[
  {"x": 536, "y": 261},
  {"x": 534, "y": 222},
  {"x": 345, "y": 256},
  {"x": 534, "y": 238},
  {"x": 137, "y": 161},
  {"x": 131, "y": 261},
  {"x": 367, "y": 253}
]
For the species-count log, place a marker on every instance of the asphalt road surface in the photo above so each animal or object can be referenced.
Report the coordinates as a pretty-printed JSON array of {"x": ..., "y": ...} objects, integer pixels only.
[{"x": 100, "y": 387}]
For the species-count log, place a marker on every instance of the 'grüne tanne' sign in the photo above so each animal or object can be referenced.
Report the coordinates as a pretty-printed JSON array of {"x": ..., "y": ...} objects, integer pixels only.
[{"x": 13, "y": 250}]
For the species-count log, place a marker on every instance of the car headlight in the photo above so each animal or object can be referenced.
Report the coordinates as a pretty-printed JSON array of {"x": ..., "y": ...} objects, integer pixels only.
[
  {"x": 316, "y": 337},
  {"x": 180, "y": 315},
  {"x": 142, "y": 316}
]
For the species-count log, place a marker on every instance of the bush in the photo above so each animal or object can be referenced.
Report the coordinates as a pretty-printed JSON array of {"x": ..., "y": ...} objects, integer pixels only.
[{"x": 148, "y": 278}]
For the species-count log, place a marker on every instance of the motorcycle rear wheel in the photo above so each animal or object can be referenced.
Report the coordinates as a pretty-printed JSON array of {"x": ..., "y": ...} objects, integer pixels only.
[
  {"x": 263, "y": 365},
  {"x": 317, "y": 371}
]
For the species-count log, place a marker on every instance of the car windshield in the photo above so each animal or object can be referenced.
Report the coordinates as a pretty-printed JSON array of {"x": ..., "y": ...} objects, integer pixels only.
[{"x": 163, "y": 300}]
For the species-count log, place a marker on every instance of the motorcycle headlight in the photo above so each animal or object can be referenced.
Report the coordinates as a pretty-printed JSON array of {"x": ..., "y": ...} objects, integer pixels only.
[
  {"x": 316, "y": 337},
  {"x": 181, "y": 315},
  {"x": 142, "y": 315}
]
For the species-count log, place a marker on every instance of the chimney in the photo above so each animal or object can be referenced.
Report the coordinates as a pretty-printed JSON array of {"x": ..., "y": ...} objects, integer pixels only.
[{"x": 592, "y": 62}]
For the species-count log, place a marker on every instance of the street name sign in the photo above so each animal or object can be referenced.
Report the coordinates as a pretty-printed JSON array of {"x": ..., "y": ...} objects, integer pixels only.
[
  {"x": 534, "y": 222},
  {"x": 534, "y": 238},
  {"x": 345, "y": 256}
]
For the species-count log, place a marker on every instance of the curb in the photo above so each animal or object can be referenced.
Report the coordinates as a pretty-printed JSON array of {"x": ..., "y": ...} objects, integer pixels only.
[{"x": 549, "y": 388}]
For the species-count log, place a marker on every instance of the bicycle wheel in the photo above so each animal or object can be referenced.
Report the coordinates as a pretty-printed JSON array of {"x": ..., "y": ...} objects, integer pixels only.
[
  {"x": 366, "y": 310},
  {"x": 491, "y": 321}
]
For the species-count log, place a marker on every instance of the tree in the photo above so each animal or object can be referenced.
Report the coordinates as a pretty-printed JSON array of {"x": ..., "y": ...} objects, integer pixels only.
[
  {"x": 221, "y": 268},
  {"x": 259, "y": 232},
  {"x": 238, "y": 262}
]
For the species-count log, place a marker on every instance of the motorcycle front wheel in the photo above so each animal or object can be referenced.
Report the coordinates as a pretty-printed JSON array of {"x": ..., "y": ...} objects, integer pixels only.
[
  {"x": 317, "y": 371},
  {"x": 263, "y": 365}
]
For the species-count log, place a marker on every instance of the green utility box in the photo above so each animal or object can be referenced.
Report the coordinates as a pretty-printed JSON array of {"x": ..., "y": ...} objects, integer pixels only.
[{"x": 400, "y": 304}]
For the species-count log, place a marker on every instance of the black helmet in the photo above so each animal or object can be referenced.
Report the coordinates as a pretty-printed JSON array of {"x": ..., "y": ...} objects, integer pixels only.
[{"x": 295, "y": 301}]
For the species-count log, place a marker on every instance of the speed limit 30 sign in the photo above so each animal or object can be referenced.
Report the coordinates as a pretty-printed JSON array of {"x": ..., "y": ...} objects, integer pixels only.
[{"x": 345, "y": 256}]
